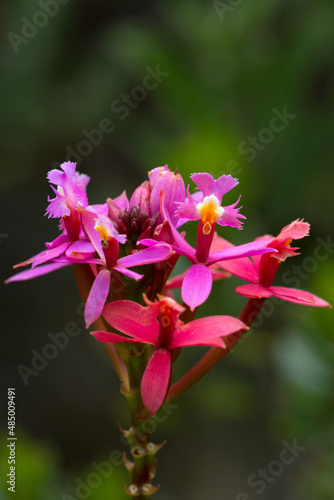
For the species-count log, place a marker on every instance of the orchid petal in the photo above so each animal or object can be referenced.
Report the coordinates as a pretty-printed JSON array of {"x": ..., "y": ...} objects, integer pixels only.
[
  {"x": 97, "y": 296},
  {"x": 155, "y": 381},
  {"x": 243, "y": 268},
  {"x": 56, "y": 177},
  {"x": 74, "y": 260},
  {"x": 122, "y": 201},
  {"x": 230, "y": 216},
  {"x": 176, "y": 281},
  {"x": 57, "y": 207},
  {"x": 58, "y": 241},
  {"x": 69, "y": 167},
  {"x": 80, "y": 250},
  {"x": 49, "y": 254},
  {"x": 205, "y": 182},
  {"x": 150, "y": 255},
  {"x": 224, "y": 184},
  {"x": 254, "y": 291},
  {"x": 155, "y": 173},
  {"x": 253, "y": 248},
  {"x": 103, "y": 336},
  {"x": 206, "y": 331},
  {"x": 36, "y": 272},
  {"x": 295, "y": 230},
  {"x": 133, "y": 319},
  {"x": 196, "y": 286},
  {"x": 128, "y": 272},
  {"x": 298, "y": 296}
]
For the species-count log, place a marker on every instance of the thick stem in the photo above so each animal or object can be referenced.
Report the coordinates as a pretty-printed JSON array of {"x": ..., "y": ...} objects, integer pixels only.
[{"x": 215, "y": 354}]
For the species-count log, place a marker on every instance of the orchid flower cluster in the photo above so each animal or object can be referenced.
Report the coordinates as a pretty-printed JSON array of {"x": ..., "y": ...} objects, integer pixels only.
[{"x": 124, "y": 252}]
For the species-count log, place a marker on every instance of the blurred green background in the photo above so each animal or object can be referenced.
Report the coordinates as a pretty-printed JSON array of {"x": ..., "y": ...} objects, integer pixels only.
[{"x": 72, "y": 88}]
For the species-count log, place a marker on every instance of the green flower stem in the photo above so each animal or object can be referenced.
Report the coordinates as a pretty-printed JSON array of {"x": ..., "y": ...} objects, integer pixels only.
[
  {"x": 143, "y": 465},
  {"x": 215, "y": 354},
  {"x": 84, "y": 278}
]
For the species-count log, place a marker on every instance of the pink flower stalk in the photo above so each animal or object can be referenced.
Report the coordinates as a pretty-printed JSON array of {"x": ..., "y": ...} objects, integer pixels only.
[
  {"x": 159, "y": 324},
  {"x": 260, "y": 271}
]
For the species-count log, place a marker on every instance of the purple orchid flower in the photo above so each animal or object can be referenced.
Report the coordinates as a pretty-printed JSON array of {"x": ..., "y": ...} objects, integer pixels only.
[{"x": 159, "y": 324}]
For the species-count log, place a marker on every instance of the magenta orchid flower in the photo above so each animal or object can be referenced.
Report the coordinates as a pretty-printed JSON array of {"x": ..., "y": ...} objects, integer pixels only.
[
  {"x": 197, "y": 282},
  {"x": 205, "y": 205},
  {"x": 70, "y": 197},
  {"x": 261, "y": 270},
  {"x": 159, "y": 324}
]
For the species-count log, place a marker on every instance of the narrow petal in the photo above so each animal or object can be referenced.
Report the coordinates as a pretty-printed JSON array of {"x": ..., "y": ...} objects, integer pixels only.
[
  {"x": 207, "y": 331},
  {"x": 97, "y": 296},
  {"x": 35, "y": 273},
  {"x": 253, "y": 248},
  {"x": 128, "y": 273},
  {"x": 49, "y": 254},
  {"x": 103, "y": 336},
  {"x": 243, "y": 268},
  {"x": 155, "y": 381},
  {"x": 298, "y": 296},
  {"x": 150, "y": 255},
  {"x": 133, "y": 319},
  {"x": 196, "y": 286},
  {"x": 254, "y": 291}
]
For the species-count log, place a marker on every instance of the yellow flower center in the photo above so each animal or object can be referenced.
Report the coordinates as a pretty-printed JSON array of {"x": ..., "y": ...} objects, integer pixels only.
[
  {"x": 105, "y": 236},
  {"x": 209, "y": 209}
]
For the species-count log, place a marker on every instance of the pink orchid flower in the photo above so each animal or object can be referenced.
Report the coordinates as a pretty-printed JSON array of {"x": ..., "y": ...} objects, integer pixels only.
[
  {"x": 205, "y": 205},
  {"x": 197, "y": 282},
  {"x": 261, "y": 270},
  {"x": 70, "y": 198},
  {"x": 159, "y": 324}
]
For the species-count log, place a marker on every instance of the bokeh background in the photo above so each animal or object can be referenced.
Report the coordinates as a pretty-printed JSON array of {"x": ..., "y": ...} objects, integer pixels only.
[{"x": 223, "y": 71}]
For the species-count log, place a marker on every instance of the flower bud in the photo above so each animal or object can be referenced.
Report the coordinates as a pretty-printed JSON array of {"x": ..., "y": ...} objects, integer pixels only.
[
  {"x": 141, "y": 197},
  {"x": 172, "y": 184}
]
